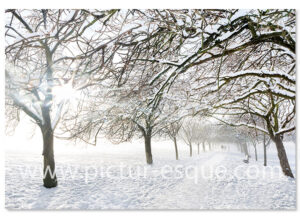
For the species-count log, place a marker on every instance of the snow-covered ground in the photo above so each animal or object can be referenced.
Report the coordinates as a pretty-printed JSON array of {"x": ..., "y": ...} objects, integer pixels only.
[{"x": 99, "y": 178}]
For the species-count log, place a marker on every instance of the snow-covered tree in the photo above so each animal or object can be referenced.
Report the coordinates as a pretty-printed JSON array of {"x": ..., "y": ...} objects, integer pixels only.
[
  {"x": 135, "y": 109},
  {"x": 251, "y": 62},
  {"x": 172, "y": 130},
  {"x": 49, "y": 55},
  {"x": 142, "y": 70}
]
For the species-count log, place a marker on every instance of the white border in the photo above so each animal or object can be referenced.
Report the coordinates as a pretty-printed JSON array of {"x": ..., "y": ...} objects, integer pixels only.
[
  {"x": 130, "y": 4},
  {"x": 149, "y": 4}
]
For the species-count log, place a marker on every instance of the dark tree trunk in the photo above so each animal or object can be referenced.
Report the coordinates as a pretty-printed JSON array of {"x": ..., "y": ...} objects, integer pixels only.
[
  {"x": 265, "y": 151},
  {"x": 148, "y": 151},
  {"x": 49, "y": 174},
  {"x": 284, "y": 163},
  {"x": 191, "y": 150},
  {"x": 176, "y": 149}
]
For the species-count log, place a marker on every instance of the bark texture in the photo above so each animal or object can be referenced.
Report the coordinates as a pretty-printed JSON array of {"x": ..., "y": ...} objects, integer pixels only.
[
  {"x": 49, "y": 174},
  {"x": 148, "y": 151},
  {"x": 284, "y": 163}
]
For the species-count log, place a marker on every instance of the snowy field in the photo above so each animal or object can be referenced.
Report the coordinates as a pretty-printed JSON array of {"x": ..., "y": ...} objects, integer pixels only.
[{"x": 97, "y": 184}]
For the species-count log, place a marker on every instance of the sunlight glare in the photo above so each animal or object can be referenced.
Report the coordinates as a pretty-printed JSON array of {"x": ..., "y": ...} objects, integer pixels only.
[{"x": 65, "y": 92}]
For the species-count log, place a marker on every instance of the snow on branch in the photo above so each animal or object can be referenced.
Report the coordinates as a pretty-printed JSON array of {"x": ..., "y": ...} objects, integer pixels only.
[
  {"x": 242, "y": 124},
  {"x": 57, "y": 117},
  {"x": 26, "y": 109},
  {"x": 260, "y": 73},
  {"x": 285, "y": 130}
]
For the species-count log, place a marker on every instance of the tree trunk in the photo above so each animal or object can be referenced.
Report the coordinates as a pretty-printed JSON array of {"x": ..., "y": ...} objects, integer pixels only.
[
  {"x": 176, "y": 149},
  {"x": 148, "y": 151},
  {"x": 191, "y": 150},
  {"x": 284, "y": 163},
  {"x": 49, "y": 174},
  {"x": 265, "y": 151},
  {"x": 203, "y": 146},
  {"x": 240, "y": 148},
  {"x": 255, "y": 152},
  {"x": 245, "y": 149},
  {"x": 198, "y": 145}
]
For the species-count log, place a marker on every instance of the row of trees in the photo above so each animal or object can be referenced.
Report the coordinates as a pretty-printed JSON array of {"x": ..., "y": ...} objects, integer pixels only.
[
  {"x": 217, "y": 136},
  {"x": 124, "y": 73}
]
